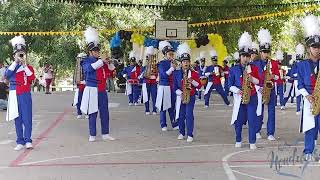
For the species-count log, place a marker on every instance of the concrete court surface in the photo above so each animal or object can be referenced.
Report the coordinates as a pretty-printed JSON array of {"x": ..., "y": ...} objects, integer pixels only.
[{"x": 142, "y": 151}]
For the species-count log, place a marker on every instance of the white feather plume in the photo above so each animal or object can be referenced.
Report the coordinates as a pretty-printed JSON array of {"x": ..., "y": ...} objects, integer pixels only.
[
  {"x": 311, "y": 25},
  {"x": 149, "y": 50},
  {"x": 18, "y": 40},
  {"x": 245, "y": 40},
  {"x": 81, "y": 55},
  {"x": 279, "y": 55},
  {"x": 183, "y": 48},
  {"x": 255, "y": 45},
  {"x": 300, "y": 49},
  {"x": 202, "y": 54},
  {"x": 163, "y": 44},
  {"x": 264, "y": 36},
  {"x": 213, "y": 52},
  {"x": 132, "y": 54},
  {"x": 236, "y": 55},
  {"x": 292, "y": 60},
  {"x": 91, "y": 35}
]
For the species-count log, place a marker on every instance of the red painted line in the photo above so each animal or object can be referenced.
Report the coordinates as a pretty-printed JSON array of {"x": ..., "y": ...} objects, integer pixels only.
[
  {"x": 138, "y": 163},
  {"x": 37, "y": 141}
]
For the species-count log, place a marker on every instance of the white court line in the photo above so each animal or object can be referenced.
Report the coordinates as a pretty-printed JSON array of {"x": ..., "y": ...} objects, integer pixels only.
[
  {"x": 230, "y": 171},
  {"x": 226, "y": 167},
  {"x": 128, "y": 151},
  {"x": 245, "y": 174},
  {"x": 133, "y": 151}
]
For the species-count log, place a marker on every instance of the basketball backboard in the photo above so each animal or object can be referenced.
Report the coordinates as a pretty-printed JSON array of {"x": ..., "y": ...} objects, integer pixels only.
[{"x": 171, "y": 29}]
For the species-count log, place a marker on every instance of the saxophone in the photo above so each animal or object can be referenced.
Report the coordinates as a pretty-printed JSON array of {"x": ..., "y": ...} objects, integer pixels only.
[
  {"x": 151, "y": 68},
  {"x": 246, "y": 87},
  {"x": 186, "y": 87},
  {"x": 316, "y": 98},
  {"x": 267, "y": 85}
]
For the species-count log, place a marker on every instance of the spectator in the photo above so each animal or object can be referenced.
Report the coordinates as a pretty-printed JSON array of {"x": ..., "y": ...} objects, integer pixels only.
[
  {"x": 48, "y": 76},
  {"x": 2, "y": 71},
  {"x": 4, "y": 90},
  {"x": 110, "y": 76}
]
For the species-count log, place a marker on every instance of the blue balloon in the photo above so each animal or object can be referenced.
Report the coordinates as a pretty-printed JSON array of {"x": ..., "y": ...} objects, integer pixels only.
[
  {"x": 147, "y": 42},
  {"x": 174, "y": 45},
  {"x": 115, "y": 41},
  {"x": 155, "y": 43}
]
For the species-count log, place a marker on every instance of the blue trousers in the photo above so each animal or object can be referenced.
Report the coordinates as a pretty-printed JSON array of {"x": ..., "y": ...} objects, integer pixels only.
[
  {"x": 79, "y": 102},
  {"x": 186, "y": 117},
  {"x": 171, "y": 111},
  {"x": 247, "y": 112},
  {"x": 104, "y": 115},
  {"x": 280, "y": 93},
  {"x": 152, "y": 91},
  {"x": 226, "y": 86},
  {"x": 310, "y": 136},
  {"x": 271, "y": 115},
  {"x": 220, "y": 90},
  {"x": 134, "y": 96},
  {"x": 23, "y": 123},
  {"x": 298, "y": 103}
]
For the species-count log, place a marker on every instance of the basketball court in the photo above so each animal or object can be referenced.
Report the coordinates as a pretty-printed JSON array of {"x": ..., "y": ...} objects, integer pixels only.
[{"x": 142, "y": 150}]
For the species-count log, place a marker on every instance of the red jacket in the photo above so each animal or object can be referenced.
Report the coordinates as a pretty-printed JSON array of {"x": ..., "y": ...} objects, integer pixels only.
[
  {"x": 274, "y": 70},
  {"x": 195, "y": 77}
]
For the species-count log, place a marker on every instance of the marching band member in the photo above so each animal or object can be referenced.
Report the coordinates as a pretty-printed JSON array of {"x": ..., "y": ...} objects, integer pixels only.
[
  {"x": 149, "y": 75},
  {"x": 242, "y": 80},
  {"x": 226, "y": 74},
  {"x": 309, "y": 86},
  {"x": 165, "y": 94},
  {"x": 186, "y": 81},
  {"x": 132, "y": 72},
  {"x": 80, "y": 82},
  {"x": 214, "y": 73},
  {"x": 293, "y": 80},
  {"x": 280, "y": 82},
  {"x": 20, "y": 75},
  {"x": 269, "y": 76},
  {"x": 95, "y": 96},
  {"x": 254, "y": 52},
  {"x": 201, "y": 73}
]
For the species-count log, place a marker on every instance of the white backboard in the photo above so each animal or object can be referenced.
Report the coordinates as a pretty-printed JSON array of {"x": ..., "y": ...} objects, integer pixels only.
[{"x": 171, "y": 29}]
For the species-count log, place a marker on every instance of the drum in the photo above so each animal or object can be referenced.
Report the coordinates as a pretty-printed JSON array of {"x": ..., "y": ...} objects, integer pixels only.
[{"x": 203, "y": 80}]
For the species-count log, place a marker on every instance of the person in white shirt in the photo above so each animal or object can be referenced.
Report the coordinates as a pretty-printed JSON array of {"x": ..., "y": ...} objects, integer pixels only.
[{"x": 2, "y": 71}]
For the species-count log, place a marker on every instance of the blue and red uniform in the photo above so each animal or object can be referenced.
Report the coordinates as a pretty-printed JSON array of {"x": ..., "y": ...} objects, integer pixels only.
[
  {"x": 244, "y": 112},
  {"x": 310, "y": 125},
  {"x": 214, "y": 82},
  {"x": 226, "y": 70},
  {"x": 272, "y": 103},
  {"x": 151, "y": 90},
  {"x": 95, "y": 96},
  {"x": 133, "y": 91},
  {"x": 186, "y": 116},
  {"x": 166, "y": 88},
  {"x": 20, "y": 80}
]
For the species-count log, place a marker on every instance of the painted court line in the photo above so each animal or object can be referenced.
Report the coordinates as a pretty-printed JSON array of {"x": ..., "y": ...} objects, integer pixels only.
[
  {"x": 128, "y": 151},
  {"x": 44, "y": 134},
  {"x": 245, "y": 174}
]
